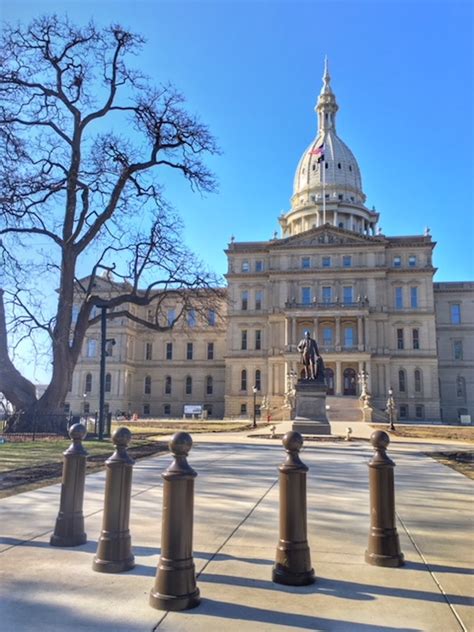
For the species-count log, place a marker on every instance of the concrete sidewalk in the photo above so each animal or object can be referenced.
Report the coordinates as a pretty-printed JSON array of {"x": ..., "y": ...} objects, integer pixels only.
[{"x": 235, "y": 536}]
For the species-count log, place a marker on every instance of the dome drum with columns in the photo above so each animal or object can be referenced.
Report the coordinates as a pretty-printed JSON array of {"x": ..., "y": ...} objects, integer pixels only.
[{"x": 329, "y": 190}]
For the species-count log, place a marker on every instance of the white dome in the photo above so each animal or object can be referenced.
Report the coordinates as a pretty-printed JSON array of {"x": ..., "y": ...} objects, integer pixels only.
[
  {"x": 342, "y": 173},
  {"x": 328, "y": 190}
]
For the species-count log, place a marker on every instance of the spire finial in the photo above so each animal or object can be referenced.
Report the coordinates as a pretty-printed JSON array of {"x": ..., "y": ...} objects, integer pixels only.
[{"x": 326, "y": 78}]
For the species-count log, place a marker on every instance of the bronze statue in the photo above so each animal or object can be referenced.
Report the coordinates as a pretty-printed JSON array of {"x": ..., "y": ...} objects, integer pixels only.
[{"x": 312, "y": 361}]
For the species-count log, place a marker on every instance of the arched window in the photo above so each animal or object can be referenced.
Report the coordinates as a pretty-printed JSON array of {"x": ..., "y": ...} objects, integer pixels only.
[
  {"x": 258, "y": 380},
  {"x": 189, "y": 385},
  {"x": 88, "y": 385},
  {"x": 147, "y": 386},
  {"x": 417, "y": 381},
  {"x": 108, "y": 383},
  {"x": 168, "y": 385},
  {"x": 460, "y": 387},
  {"x": 243, "y": 380},
  {"x": 401, "y": 381},
  {"x": 209, "y": 385}
]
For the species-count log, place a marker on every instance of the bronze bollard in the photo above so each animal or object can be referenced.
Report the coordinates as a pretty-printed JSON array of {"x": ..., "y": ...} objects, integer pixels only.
[
  {"x": 69, "y": 529},
  {"x": 384, "y": 545},
  {"x": 293, "y": 560},
  {"x": 175, "y": 583},
  {"x": 114, "y": 550}
]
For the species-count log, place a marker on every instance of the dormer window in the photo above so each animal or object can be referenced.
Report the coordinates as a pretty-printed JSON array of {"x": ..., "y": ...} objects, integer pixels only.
[{"x": 326, "y": 164}]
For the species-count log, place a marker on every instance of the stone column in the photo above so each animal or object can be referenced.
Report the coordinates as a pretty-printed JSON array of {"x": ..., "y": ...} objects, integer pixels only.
[
  {"x": 287, "y": 331},
  {"x": 338, "y": 333},
  {"x": 315, "y": 328},
  {"x": 338, "y": 378},
  {"x": 293, "y": 331},
  {"x": 360, "y": 341}
]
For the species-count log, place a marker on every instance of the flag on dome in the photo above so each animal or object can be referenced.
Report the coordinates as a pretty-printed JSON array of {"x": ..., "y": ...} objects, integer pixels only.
[{"x": 319, "y": 152}]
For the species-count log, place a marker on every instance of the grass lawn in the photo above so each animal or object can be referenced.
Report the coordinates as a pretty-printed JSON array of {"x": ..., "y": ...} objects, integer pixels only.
[
  {"x": 456, "y": 433},
  {"x": 34, "y": 453},
  {"x": 168, "y": 427}
]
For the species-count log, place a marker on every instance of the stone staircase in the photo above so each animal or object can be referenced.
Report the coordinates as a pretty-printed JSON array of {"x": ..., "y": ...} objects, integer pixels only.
[{"x": 344, "y": 408}]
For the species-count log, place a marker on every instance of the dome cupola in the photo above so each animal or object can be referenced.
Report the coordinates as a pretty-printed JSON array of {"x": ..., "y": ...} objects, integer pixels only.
[{"x": 327, "y": 186}]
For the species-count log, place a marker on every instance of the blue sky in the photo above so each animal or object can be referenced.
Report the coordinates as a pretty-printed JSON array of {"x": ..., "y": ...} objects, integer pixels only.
[{"x": 402, "y": 73}]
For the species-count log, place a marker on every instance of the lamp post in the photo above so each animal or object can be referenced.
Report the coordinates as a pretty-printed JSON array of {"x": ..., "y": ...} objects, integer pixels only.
[
  {"x": 391, "y": 409},
  {"x": 254, "y": 390},
  {"x": 106, "y": 345}
]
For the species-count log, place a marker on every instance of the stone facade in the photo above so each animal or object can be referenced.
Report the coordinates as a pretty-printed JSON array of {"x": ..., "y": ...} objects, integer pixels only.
[
  {"x": 454, "y": 305},
  {"x": 366, "y": 297}
]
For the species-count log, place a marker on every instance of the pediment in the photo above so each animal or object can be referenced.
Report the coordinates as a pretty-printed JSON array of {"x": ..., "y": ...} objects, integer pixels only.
[{"x": 326, "y": 235}]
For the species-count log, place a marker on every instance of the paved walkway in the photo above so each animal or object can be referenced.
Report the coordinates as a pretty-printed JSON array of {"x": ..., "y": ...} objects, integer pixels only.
[{"x": 236, "y": 531}]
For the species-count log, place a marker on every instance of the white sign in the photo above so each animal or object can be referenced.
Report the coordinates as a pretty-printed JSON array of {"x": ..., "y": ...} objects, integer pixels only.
[
  {"x": 193, "y": 409},
  {"x": 465, "y": 419}
]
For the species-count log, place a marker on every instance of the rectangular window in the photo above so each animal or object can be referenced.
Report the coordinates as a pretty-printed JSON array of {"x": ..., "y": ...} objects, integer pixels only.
[
  {"x": 414, "y": 297},
  {"x": 208, "y": 409},
  {"x": 348, "y": 336},
  {"x": 259, "y": 265},
  {"x": 326, "y": 262},
  {"x": 258, "y": 339},
  {"x": 167, "y": 410},
  {"x": 412, "y": 261},
  {"x": 211, "y": 318},
  {"x": 149, "y": 351},
  {"x": 67, "y": 407},
  {"x": 398, "y": 298},
  {"x": 243, "y": 339},
  {"x": 397, "y": 262},
  {"x": 400, "y": 343},
  {"x": 245, "y": 266},
  {"x": 455, "y": 314},
  {"x": 347, "y": 295},
  {"x": 347, "y": 261},
  {"x": 169, "y": 350},
  {"x": 327, "y": 294},
  {"x": 416, "y": 338},
  {"x": 258, "y": 299},
  {"x": 328, "y": 336},
  {"x": 419, "y": 411},
  {"x": 210, "y": 351},
  {"x": 146, "y": 409},
  {"x": 403, "y": 411},
  {"x": 457, "y": 349},
  {"x": 91, "y": 348},
  {"x": 189, "y": 351},
  {"x": 305, "y": 263},
  {"x": 171, "y": 317},
  {"x": 306, "y": 295},
  {"x": 244, "y": 300},
  {"x": 87, "y": 408},
  {"x": 243, "y": 409},
  {"x": 192, "y": 318},
  {"x": 168, "y": 385}
]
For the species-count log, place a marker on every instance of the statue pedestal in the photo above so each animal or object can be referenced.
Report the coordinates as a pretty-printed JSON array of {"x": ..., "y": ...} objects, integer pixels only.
[{"x": 311, "y": 417}]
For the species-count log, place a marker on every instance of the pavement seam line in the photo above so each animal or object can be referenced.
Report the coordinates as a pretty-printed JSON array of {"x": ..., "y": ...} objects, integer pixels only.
[
  {"x": 219, "y": 549},
  {"x": 433, "y": 576}
]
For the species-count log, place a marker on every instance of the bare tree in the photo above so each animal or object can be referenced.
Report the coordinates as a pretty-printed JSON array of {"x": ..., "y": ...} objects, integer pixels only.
[{"x": 83, "y": 139}]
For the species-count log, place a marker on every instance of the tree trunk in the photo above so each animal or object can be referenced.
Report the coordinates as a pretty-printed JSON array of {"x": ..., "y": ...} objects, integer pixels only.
[{"x": 19, "y": 391}]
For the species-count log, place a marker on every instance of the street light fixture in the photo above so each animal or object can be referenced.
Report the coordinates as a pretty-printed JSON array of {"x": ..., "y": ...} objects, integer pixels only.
[
  {"x": 391, "y": 409},
  {"x": 254, "y": 390}
]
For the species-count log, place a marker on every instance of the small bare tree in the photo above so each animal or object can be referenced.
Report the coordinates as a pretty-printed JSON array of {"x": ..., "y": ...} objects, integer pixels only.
[{"x": 82, "y": 141}]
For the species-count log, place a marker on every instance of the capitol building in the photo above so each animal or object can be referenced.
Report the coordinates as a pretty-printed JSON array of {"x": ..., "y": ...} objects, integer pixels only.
[{"x": 369, "y": 300}]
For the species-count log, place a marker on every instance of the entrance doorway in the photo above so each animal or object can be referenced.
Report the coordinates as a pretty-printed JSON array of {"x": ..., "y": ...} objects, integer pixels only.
[
  {"x": 349, "y": 377},
  {"x": 330, "y": 381}
]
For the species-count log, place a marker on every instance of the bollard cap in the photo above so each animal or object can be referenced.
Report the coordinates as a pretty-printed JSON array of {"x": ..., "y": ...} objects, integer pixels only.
[
  {"x": 121, "y": 437},
  {"x": 292, "y": 441},
  {"x": 77, "y": 432},
  {"x": 180, "y": 444},
  {"x": 380, "y": 440}
]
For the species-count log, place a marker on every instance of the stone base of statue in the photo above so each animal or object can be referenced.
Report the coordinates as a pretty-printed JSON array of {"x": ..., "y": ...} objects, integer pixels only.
[{"x": 310, "y": 414}]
